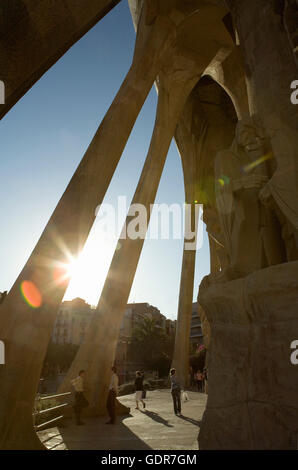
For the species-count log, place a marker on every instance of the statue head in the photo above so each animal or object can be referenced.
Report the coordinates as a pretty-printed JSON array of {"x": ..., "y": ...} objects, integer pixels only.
[{"x": 246, "y": 136}]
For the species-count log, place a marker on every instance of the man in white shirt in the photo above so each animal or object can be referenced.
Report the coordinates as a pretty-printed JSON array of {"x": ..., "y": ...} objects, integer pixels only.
[{"x": 111, "y": 401}]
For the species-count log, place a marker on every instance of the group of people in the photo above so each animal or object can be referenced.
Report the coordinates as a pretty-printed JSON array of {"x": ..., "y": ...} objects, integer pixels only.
[
  {"x": 140, "y": 393},
  {"x": 81, "y": 402}
]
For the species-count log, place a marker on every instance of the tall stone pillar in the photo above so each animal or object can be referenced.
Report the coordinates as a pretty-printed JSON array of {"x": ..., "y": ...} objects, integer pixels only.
[
  {"x": 28, "y": 314},
  {"x": 181, "y": 69},
  {"x": 182, "y": 339},
  {"x": 189, "y": 152},
  {"x": 97, "y": 353}
]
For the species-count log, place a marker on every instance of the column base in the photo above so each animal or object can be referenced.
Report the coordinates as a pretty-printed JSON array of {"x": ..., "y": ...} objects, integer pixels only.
[
  {"x": 23, "y": 441},
  {"x": 252, "y": 384}
]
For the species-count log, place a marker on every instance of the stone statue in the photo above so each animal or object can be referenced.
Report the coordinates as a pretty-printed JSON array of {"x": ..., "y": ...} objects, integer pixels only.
[{"x": 251, "y": 231}]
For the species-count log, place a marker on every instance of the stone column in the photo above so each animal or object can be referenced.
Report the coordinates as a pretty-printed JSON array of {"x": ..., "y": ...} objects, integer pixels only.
[
  {"x": 188, "y": 150},
  {"x": 25, "y": 330},
  {"x": 97, "y": 353},
  {"x": 270, "y": 70},
  {"x": 182, "y": 339}
]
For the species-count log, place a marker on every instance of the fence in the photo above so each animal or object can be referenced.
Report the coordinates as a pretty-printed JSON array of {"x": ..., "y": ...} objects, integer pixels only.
[{"x": 38, "y": 411}]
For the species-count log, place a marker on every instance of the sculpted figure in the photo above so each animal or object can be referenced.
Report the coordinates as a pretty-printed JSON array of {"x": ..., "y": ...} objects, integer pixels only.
[
  {"x": 218, "y": 255},
  {"x": 278, "y": 193},
  {"x": 251, "y": 231}
]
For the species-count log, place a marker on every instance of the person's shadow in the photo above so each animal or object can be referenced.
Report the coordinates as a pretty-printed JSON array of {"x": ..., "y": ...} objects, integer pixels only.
[
  {"x": 157, "y": 418},
  {"x": 190, "y": 420}
]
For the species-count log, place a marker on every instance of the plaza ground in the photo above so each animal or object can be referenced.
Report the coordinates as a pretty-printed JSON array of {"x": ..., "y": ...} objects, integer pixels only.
[{"x": 155, "y": 427}]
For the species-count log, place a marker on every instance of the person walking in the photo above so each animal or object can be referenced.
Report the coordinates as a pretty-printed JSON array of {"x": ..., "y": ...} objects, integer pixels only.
[
  {"x": 80, "y": 399},
  {"x": 176, "y": 391},
  {"x": 199, "y": 377},
  {"x": 144, "y": 389},
  {"x": 139, "y": 387},
  {"x": 111, "y": 401}
]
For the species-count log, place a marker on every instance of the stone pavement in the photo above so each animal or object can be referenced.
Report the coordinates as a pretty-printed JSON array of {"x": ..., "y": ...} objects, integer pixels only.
[{"x": 156, "y": 427}]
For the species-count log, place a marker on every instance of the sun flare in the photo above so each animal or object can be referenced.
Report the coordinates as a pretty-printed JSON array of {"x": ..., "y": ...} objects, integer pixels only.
[{"x": 87, "y": 272}]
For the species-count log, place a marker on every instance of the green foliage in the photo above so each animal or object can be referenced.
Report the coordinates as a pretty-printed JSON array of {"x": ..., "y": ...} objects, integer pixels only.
[
  {"x": 151, "y": 346},
  {"x": 198, "y": 360},
  {"x": 60, "y": 355}
]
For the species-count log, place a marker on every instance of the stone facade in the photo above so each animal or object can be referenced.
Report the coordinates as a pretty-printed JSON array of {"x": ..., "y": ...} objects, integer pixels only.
[
  {"x": 72, "y": 322},
  {"x": 196, "y": 333}
]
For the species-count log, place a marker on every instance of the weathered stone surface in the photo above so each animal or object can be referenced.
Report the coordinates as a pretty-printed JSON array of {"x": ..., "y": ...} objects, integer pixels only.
[
  {"x": 226, "y": 428},
  {"x": 250, "y": 229},
  {"x": 270, "y": 69},
  {"x": 253, "y": 323}
]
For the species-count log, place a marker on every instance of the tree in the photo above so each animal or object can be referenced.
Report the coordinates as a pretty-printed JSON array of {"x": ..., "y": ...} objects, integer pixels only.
[
  {"x": 150, "y": 345},
  {"x": 198, "y": 360}
]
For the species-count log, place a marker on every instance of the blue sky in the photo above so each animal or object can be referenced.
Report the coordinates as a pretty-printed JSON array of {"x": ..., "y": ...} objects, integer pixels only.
[{"x": 43, "y": 139}]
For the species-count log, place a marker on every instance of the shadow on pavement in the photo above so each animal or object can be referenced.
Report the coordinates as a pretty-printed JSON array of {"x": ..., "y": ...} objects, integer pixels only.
[
  {"x": 157, "y": 417},
  {"x": 190, "y": 420},
  {"x": 96, "y": 435}
]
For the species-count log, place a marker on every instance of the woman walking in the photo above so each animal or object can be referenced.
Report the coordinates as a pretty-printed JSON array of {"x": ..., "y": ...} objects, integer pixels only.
[
  {"x": 139, "y": 387},
  {"x": 176, "y": 392}
]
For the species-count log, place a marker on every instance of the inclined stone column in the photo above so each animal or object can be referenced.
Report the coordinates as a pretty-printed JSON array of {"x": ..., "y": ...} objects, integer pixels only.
[
  {"x": 182, "y": 338},
  {"x": 25, "y": 330},
  {"x": 188, "y": 150},
  {"x": 270, "y": 70},
  {"x": 180, "y": 72},
  {"x": 96, "y": 354}
]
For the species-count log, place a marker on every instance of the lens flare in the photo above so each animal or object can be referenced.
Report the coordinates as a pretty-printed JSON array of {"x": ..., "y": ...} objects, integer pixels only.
[
  {"x": 64, "y": 271},
  {"x": 223, "y": 180},
  {"x": 31, "y": 294},
  {"x": 60, "y": 275},
  {"x": 257, "y": 162}
]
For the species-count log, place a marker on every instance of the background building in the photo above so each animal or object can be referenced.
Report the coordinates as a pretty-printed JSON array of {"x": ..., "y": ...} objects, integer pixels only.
[
  {"x": 134, "y": 316},
  {"x": 196, "y": 334},
  {"x": 75, "y": 315},
  {"x": 72, "y": 322}
]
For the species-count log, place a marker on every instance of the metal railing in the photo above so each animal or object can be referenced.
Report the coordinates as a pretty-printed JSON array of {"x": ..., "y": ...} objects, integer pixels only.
[{"x": 38, "y": 411}]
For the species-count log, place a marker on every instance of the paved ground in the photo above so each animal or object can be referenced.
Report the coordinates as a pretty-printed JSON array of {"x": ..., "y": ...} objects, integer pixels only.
[{"x": 156, "y": 427}]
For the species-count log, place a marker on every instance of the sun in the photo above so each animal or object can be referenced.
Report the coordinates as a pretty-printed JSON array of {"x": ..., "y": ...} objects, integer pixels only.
[
  {"x": 88, "y": 271},
  {"x": 72, "y": 267}
]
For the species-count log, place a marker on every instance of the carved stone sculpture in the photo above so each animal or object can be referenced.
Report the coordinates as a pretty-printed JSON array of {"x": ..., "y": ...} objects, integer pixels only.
[{"x": 250, "y": 230}]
